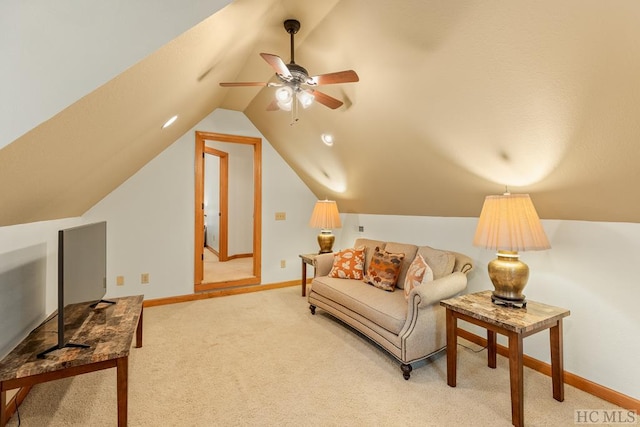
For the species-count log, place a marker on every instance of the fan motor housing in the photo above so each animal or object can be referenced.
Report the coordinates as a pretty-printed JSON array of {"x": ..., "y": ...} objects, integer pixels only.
[
  {"x": 292, "y": 26},
  {"x": 299, "y": 73}
]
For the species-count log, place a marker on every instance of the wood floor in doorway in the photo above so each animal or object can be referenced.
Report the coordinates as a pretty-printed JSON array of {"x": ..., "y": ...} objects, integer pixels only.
[{"x": 235, "y": 269}]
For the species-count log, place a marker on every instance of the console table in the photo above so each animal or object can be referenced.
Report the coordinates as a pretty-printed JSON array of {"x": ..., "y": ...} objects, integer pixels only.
[
  {"x": 108, "y": 331},
  {"x": 516, "y": 324}
]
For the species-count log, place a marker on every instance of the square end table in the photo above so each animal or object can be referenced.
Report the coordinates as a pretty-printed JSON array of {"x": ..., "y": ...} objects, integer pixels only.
[{"x": 515, "y": 323}]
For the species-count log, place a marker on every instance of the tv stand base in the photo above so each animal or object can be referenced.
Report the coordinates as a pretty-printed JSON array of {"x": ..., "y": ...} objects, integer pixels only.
[{"x": 42, "y": 354}]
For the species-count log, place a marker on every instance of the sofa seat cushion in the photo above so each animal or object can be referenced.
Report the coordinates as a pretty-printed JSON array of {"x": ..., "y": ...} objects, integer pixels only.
[{"x": 386, "y": 309}]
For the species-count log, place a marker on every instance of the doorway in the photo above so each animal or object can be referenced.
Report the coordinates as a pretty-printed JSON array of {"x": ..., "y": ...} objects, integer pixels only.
[
  {"x": 216, "y": 203},
  {"x": 203, "y": 206}
]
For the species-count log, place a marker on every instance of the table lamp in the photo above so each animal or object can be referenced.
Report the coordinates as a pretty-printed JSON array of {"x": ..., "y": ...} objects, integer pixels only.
[
  {"x": 509, "y": 223},
  {"x": 325, "y": 216}
]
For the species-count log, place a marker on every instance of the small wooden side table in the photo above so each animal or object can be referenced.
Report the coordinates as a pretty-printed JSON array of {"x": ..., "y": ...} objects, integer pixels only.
[
  {"x": 307, "y": 259},
  {"x": 108, "y": 331},
  {"x": 516, "y": 324}
]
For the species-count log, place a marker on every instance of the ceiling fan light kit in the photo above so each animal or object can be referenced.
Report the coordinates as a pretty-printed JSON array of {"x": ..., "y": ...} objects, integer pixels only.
[
  {"x": 305, "y": 98},
  {"x": 293, "y": 79}
]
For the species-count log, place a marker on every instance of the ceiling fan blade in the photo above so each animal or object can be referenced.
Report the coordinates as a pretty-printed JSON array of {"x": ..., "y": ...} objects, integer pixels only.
[
  {"x": 348, "y": 76},
  {"x": 277, "y": 64},
  {"x": 237, "y": 84},
  {"x": 326, "y": 100}
]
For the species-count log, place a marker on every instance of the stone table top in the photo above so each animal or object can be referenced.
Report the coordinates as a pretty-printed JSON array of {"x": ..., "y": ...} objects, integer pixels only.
[
  {"x": 107, "y": 330},
  {"x": 521, "y": 320}
]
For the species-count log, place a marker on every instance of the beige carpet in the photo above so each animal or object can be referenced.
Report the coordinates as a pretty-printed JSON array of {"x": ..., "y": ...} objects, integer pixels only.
[
  {"x": 262, "y": 359},
  {"x": 215, "y": 271}
]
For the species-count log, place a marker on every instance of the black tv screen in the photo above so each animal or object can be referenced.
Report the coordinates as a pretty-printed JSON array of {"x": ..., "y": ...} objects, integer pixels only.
[{"x": 82, "y": 278}]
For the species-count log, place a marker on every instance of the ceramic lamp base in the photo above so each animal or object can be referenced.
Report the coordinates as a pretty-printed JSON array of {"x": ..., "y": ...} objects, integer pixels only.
[
  {"x": 325, "y": 240},
  {"x": 509, "y": 276}
]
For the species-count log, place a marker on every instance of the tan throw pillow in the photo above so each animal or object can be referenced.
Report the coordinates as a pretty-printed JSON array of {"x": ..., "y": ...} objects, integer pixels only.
[
  {"x": 384, "y": 269},
  {"x": 419, "y": 272},
  {"x": 348, "y": 264},
  {"x": 441, "y": 262}
]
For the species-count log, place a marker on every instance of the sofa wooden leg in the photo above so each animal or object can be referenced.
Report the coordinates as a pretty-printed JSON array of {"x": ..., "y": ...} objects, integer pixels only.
[
  {"x": 312, "y": 308},
  {"x": 406, "y": 370}
]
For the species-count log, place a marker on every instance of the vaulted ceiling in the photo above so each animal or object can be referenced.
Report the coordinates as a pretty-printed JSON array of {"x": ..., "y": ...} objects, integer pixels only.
[{"x": 456, "y": 99}]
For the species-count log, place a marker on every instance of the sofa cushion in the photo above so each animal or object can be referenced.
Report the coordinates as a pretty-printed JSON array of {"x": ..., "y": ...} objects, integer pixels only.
[
  {"x": 386, "y": 309},
  {"x": 384, "y": 269},
  {"x": 369, "y": 247},
  {"x": 419, "y": 273},
  {"x": 348, "y": 264},
  {"x": 441, "y": 262},
  {"x": 409, "y": 252}
]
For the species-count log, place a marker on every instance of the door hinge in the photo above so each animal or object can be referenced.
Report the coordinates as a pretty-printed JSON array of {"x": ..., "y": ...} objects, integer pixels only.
[{"x": 202, "y": 257}]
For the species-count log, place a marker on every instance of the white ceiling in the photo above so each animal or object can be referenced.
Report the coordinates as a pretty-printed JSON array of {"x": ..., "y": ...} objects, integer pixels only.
[{"x": 455, "y": 101}]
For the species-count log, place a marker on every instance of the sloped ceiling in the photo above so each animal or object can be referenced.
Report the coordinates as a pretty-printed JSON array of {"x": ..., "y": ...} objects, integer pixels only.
[{"x": 455, "y": 101}]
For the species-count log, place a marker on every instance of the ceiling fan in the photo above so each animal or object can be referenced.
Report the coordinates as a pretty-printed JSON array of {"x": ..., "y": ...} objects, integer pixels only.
[{"x": 293, "y": 81}]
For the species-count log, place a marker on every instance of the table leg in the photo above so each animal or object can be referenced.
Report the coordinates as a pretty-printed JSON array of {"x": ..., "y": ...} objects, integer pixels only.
[
  {"x": 122, "y": 366},
  {"x": 139, "y": 329},
  {"x": 491, "y": 349},
  {"x": 452, "y": 347},
  {"x": 557, "y": 364},
  {"x": 304, "y": 278},
  {"x": 3, "y": 407},
  {"x": 516, "y": 379}
]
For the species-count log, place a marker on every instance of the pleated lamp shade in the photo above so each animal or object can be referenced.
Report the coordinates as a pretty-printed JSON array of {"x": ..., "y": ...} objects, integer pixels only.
[
  {"x": 325, "y": 215},
  {"x": 509, "y": 222}
]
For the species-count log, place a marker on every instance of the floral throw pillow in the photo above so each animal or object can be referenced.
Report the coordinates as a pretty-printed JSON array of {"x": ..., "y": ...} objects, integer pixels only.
[
  {"x": 419, "y": 272},
  {"x": 384, "y": 270},
  {"x": 348, "y": 264}
]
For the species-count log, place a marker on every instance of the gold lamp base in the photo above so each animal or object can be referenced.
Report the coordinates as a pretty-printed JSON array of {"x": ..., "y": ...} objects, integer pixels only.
[
  {"x": 325, "y": 240},
  {"x": 509, "y": 276}
]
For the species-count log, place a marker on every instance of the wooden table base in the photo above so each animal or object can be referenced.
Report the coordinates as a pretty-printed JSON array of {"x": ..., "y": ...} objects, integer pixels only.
[
  {"x": 516, "y": 325},
  {"x": 124, "y": 316}
]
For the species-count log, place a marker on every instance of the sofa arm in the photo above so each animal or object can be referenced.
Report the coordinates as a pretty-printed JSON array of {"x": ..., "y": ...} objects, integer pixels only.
[
  {"x": 443, "y": 288},
  {"x": 430, "y": 294},
  {"x": 323, "y": 264}
]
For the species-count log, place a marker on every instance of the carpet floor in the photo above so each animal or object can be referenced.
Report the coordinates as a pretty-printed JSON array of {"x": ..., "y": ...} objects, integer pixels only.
[
  {"x": 215, "y": 271},
  {"x": 262, "y": 359}
]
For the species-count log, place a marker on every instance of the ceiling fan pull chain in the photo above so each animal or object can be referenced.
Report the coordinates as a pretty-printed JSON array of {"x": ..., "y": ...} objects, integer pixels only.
[{"x": 294, "y": 114}]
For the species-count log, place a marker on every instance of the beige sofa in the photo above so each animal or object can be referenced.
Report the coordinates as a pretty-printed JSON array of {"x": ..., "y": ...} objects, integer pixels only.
[{"x": 410, "y": 328}]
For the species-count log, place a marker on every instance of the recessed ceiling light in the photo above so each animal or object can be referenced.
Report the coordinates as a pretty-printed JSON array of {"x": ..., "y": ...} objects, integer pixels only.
[
  {"x": 327, "y": 139},
  {"x": 170, "y": 122}
]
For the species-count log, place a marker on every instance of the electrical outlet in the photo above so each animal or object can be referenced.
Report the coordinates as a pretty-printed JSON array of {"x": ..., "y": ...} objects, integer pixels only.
[
  {"x": 281, "y": 216},
  {"x": 144, "y": 278},
  {"x": 361, "y": 228},
  {"x": 120, "y": 280},
  {"x": 283, "y": 263}
]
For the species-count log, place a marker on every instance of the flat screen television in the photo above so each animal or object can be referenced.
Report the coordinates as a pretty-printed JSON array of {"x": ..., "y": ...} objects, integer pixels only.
[{"x": 82, "y": 277}]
